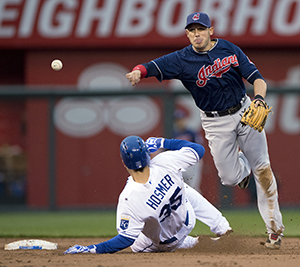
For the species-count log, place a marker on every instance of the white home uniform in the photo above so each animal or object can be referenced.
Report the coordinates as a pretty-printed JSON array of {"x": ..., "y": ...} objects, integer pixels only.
[{"x": 160, "y": 214}]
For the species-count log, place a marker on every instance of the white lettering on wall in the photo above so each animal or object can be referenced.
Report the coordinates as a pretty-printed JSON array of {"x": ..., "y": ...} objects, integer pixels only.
[
  {"x": 160, "y": 19},
  {"x": 8, "y": 14},
  {"x": 104, "y": 16},
  {"x": 281, "y": 23},
  {"x": 56, "y": 24},
  {"x": 136, "y": 18},
  {"x": 28, "y": 18},
  {"x": 219, "y": 12},
  {"x": 289, "y": 120},
  {"x": 245, "y": 12},
  {"x": 165, "y": 25},
  {"x": 272, "y": 101}
]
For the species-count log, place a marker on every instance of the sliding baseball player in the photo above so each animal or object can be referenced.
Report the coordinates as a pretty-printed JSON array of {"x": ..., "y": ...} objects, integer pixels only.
[{"x": 156, "y": 209}]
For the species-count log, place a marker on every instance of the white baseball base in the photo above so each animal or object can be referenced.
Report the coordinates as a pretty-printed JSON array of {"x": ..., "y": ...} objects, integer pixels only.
[{"x": 31, "y": 244}]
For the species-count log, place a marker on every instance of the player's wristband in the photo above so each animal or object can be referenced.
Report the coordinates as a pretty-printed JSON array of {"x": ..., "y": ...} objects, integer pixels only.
[
  {"x": 162, "y": 142},
  {"x": 259, "y": 97},
  {"x": 142, "y": 69}
]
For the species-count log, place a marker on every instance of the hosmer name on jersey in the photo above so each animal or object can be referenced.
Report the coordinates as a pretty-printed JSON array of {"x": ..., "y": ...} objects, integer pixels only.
[
  {"x": 160, "y": 191},
  {"x": 219, "y": 67}
]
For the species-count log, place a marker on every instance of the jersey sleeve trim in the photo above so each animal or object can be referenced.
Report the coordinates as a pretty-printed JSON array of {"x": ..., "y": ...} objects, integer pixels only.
[
  {"x": 251, "y": 74},
  {"x": 161, "y": 74},
  {"x": 195, "y": 153},
  {"x": 152, "y": 70}
]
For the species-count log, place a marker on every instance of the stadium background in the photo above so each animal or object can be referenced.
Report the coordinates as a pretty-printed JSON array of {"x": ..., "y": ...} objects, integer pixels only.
[{"x": 99, "y": 42}]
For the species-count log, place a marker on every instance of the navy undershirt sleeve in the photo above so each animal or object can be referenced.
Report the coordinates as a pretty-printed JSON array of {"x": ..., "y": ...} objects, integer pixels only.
[{"x": 152, "y": 71}]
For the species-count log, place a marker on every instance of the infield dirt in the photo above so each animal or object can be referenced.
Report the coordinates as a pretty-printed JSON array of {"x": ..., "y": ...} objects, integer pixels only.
[{"x": 229, "y": 251}]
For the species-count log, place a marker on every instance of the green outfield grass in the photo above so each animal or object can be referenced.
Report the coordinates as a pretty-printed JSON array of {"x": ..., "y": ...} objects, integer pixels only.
[
  {"x": 34, "y": 224},
  {"x": 249, "y": 222}
]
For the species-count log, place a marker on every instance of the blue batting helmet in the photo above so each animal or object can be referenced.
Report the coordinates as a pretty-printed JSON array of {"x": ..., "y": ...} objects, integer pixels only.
[{"x": 134, "y": 152}]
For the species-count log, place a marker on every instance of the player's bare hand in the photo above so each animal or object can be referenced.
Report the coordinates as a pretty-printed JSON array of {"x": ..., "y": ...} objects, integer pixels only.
[{"x": 134, "y": 77}]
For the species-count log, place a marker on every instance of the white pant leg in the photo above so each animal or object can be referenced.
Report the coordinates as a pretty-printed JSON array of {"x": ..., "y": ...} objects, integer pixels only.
[
  {"x": 246, "y": 168},
  {"x": 255, "y": 149},
  {"x": 144, "y": 244},
  {"x": 189, "y": 242},
  {"x": 222, "y": 140},
  {"x": 268, "y": 207},
  {"x": 206, "y": 212}
]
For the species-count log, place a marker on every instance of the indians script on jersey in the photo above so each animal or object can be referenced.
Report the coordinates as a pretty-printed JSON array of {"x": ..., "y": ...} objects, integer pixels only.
[{"x": 219, "y": 67}]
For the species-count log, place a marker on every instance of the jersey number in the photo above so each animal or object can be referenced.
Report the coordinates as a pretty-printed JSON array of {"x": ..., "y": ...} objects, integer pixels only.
[{"x": 175, "y": 202}]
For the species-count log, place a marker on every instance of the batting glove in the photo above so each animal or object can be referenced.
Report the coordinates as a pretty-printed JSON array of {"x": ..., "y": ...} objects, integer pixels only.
[
  {"x": 79, "y": 249},
  {"x": 154, "y": 144}
]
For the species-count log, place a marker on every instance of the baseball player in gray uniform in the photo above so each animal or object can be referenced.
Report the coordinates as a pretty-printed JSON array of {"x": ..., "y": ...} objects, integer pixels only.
[
  {"x": 213, "y": 71},
  {"x": 156, "y": 210}
]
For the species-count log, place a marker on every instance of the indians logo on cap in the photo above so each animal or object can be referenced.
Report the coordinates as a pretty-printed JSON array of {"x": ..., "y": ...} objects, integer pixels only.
[{"x": 196, "y": 16}]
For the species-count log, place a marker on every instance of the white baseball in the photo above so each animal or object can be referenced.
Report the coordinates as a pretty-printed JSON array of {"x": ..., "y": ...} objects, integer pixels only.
[{"x": 56, "y": 64}]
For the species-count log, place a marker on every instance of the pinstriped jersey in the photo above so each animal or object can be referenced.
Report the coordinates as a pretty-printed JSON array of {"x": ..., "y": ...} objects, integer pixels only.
[{"x": 214, "y": 77}]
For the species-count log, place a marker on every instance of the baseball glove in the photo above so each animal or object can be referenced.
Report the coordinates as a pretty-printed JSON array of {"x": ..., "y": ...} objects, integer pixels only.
[{"x": 256, "y": 117}]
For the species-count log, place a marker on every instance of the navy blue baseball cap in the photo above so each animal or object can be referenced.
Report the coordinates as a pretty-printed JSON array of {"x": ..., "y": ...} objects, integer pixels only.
[{"x": 201, "y": 18}]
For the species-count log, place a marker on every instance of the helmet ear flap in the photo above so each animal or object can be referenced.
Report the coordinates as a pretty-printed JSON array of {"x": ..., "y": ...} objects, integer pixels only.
[{"x": 134, "y": 152}]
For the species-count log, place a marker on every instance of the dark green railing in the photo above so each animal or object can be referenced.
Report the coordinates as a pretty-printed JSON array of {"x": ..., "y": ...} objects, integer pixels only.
[{"x": 53, "y": 93}]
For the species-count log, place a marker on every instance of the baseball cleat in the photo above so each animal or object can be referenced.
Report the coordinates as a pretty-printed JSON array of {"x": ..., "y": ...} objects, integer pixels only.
[
  {"x": 244, "y": 184},
  {"x": 273, "y": 241}
]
